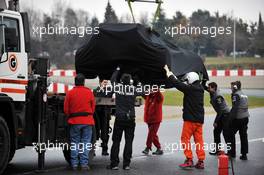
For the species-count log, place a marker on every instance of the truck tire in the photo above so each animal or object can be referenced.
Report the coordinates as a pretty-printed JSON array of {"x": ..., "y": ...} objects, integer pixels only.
[{"x": 4, "y": 144}]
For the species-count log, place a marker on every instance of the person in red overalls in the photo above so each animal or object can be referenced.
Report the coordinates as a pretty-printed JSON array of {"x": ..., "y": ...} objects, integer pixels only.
[
  {"x": 79, "y": 106},
  {"x": 153, "y": 118}
]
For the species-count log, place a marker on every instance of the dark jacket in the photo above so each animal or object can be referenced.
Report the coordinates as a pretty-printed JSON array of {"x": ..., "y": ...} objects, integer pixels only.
[
  {"x": 219, "y": 104},
  {"x": 239, "y": 105},
  {"x": 125, "y": 98},
  {"x": 193, "y": 100}
]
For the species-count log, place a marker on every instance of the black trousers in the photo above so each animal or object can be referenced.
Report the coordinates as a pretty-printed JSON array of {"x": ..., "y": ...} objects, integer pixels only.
[
  {"x": 103, "y": 115},
  {"x": 221, "y": 128},
  {"x": 128, "y": 127},
  {"x": 240, "y": 125}
]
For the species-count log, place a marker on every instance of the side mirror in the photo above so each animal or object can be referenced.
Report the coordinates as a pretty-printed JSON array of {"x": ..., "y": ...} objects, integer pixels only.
[{"x": 3, "y": 44}]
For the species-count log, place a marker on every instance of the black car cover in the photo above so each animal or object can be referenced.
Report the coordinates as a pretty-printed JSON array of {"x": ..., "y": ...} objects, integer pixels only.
[{"x": 136, "y": 50}]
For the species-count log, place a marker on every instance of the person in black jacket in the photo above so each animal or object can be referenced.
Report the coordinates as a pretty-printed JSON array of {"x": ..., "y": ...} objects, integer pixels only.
[
  {"x": 239, "y": 118},
  {"x": 222, "y": 110},
  {"x": 125, "y": 115},
  {"x": 193, "y": 116}
]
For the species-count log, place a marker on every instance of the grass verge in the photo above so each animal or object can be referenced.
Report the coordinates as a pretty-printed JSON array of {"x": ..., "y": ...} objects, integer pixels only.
[
  {"x": 230, "y": 63},
  {"x": 175, "y": 98}
]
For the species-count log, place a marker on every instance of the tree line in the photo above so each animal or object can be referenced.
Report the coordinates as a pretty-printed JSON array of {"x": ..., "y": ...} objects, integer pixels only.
[{"x": 60, "y": 48}]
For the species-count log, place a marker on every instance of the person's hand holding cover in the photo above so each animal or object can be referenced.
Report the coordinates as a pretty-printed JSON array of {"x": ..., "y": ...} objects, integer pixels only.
[{"x": 168, "y": 72}]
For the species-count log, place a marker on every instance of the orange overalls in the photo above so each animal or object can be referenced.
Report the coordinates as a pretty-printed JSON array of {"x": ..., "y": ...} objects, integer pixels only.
[{"x": 196, "y": 130}]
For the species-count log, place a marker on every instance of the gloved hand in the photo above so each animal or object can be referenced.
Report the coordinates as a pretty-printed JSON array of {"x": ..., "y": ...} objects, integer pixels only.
[
  {"x": 117, "y": 68},
  {"x": 168, "y": 72}
]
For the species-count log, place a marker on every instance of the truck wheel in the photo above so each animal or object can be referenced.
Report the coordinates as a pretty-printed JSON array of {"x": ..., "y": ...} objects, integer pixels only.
[{"x": 4, "y": 144}]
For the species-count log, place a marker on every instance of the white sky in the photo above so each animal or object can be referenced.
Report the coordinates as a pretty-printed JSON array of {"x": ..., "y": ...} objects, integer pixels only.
[{"x": 246, "y": 9}]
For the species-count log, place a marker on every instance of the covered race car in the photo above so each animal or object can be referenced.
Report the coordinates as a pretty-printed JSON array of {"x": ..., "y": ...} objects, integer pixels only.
[{"x": 137, "y": 50}]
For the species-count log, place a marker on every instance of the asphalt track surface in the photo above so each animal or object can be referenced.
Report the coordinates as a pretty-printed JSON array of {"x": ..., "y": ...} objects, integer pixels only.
[{"x": 25, "y": 160}]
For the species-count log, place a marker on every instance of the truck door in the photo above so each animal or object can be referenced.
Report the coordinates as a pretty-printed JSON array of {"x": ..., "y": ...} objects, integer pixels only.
[{"x": 13, "y": 66}]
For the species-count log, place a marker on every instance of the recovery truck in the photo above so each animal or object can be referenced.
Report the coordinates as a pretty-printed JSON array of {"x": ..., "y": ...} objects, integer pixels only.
[{"x": 27, "y": 114}]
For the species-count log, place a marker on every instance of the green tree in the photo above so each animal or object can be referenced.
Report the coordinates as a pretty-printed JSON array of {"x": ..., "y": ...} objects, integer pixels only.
[
  {"x": 94, "y": 22},
  {"x": 259, "y": 38},
  {"x": 183, "y": 41},
  {"x": 223, "y": 43},
  {"x": 203, "y": 43},
  {"x": 110, "y": 15},
  {"x": 160, "y": 24},
  {"x": 242, "y": 36}
]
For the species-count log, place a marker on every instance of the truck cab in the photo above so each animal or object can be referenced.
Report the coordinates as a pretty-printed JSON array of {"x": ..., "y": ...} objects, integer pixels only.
[
  {"x": 13, "y": 54},
  {"x": 14, "y": 49}
]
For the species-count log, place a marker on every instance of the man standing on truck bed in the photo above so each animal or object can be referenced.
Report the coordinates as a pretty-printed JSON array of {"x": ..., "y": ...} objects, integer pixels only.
[{"x": 79, "y": 106}]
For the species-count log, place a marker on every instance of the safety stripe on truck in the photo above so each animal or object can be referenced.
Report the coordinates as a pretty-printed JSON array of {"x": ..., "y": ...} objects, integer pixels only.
[
  {"x": 12, "y": 90},
  {"x": 11, "y": 81}
]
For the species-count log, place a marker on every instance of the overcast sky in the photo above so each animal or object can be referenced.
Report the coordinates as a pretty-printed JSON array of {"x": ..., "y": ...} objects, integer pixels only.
[{"x": 246, "y": 9}]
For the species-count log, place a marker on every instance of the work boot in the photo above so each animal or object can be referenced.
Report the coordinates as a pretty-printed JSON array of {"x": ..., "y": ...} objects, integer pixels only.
[
  {"x": 243, "y": 157},
  {"x": 85, "y": 168},
  {"x": 127, "y": 167},
  {"x": 111, "y": 167},
  {"x": 200, "y": 164},
  {"x": 188, "y": 164},
  {"x": 158, "y": 152},
  {"x": 146, "y": 151},
  {"x": 105, "y": 153},
  {"x": 74, "y": 168}
]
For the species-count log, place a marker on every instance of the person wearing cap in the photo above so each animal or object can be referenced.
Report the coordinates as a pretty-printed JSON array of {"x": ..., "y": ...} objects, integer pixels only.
[
  {"x": 239, "y": 118},
  {"x": 79, "y": 106},
  {"x": 193, "y": 116}
]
